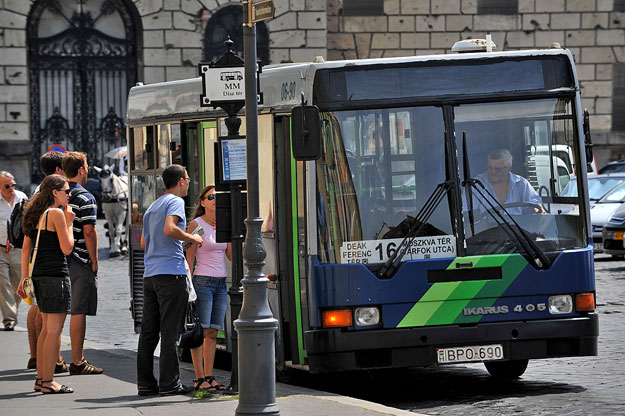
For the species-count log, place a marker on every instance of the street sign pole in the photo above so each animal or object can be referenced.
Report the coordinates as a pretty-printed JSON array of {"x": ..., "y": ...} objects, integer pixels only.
[
  {"x": 222, "y": 90},
  {"x": 256, "y": 325}
]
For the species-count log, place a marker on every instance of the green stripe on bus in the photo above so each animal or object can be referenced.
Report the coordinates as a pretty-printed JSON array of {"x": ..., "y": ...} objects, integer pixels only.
[
  {"x": 444, "y": 302},
  {"x": 298, "y": 302}
]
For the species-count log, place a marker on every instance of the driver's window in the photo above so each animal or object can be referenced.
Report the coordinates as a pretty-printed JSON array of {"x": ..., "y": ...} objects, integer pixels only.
[{"x": 522, "y": 155}]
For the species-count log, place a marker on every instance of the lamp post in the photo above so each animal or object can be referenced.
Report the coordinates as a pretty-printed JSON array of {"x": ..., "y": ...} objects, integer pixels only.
[{"x": 256, "y": 325}]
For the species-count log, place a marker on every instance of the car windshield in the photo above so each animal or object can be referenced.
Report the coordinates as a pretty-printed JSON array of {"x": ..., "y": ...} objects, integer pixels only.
[
  {"x": 616, "y": 195},
  {"x": 597, "y": 187}
]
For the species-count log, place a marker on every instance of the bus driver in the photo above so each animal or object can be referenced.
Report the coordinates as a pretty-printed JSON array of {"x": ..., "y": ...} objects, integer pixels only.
[{"x": 507, "y": 187}]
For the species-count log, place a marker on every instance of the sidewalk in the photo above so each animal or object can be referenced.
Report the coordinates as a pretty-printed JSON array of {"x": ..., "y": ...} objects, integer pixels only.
[{"x": 115, "y": 391}]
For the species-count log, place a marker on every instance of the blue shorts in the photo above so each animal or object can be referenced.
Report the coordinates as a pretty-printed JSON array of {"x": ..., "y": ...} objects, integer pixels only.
[{"x": 212, "y": 300}]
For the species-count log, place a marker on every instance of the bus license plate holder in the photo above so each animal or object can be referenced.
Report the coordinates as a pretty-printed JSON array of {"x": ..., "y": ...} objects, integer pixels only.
[
  {"x": 617, "y": 235},
  {"x": 470, "y": 353}
]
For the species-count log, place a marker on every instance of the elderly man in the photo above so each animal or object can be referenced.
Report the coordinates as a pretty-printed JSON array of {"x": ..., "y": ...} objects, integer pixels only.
[
  {"x": 10, "y": 257},
  {"x": 507, "y": 187}
]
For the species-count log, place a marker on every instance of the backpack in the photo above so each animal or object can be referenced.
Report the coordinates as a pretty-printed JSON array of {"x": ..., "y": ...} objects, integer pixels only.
[{"x": 14, "y": 226}]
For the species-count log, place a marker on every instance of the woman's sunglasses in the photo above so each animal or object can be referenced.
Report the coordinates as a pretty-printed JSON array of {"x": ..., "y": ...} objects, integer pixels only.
[
  {"x": 67, "y": 191},
  {"x": 210, "y": 197}
]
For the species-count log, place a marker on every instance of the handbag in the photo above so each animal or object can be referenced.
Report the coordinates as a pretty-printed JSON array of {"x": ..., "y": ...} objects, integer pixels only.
[
  {"x": 192, "y": 335},
  {"x": 27, "y": 285}
]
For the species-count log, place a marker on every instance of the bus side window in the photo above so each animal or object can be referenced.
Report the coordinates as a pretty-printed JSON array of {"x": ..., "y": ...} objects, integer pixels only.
[{"x": 143, "y": 148}]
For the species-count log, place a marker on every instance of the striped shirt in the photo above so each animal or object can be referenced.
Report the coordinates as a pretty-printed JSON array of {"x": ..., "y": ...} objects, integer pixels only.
[{"x": 85, "y": 208}]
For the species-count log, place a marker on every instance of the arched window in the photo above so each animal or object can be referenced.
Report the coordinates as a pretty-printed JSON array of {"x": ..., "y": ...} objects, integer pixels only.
[
  {"x": 228, "y": 21},
  {"x": 82, "y": 58}
]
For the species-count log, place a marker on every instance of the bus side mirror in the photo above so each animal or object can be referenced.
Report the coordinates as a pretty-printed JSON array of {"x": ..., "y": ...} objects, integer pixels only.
[
  {"x": 306, "y": 132},
  {"x": 587, "y": 139}
]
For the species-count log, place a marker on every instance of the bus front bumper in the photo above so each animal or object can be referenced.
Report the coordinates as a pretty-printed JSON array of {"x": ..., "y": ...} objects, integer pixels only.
[{"x": 334, "y": 350}]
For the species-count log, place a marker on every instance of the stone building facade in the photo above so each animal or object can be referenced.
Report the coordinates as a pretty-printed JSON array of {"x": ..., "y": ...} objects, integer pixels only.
[
  {"x": 594, "y": 31},
  {"x": 172, "y": 36},
  {"x": 170, "y": 43}
]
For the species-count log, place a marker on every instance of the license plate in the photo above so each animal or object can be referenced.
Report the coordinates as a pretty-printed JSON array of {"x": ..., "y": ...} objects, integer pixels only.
[
  {"x": 471, "y": 353},
  {"x": 617, "y": 236}
]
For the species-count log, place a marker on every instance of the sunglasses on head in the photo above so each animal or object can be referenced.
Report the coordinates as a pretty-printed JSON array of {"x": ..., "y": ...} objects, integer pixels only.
[
  {"x": 11, "y": 185},
  {"x": 210, "y": 197}
]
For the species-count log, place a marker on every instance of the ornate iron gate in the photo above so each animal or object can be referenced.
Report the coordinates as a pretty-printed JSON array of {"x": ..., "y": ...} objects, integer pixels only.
[{"x": 82, "y": 62}]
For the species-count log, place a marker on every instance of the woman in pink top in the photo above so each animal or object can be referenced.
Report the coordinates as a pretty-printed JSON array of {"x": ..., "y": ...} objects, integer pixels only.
[{"x": 209, "y": 281}]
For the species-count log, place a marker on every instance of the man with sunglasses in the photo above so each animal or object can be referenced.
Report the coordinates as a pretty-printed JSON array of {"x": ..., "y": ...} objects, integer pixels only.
[
  {"x": 507, "y": 187},
  {"x": 164, "y": 286},
  {"x": 10, "y": 257}
]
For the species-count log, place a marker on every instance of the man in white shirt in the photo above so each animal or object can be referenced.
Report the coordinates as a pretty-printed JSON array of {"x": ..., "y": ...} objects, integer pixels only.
[{"x": 10, "y": 257}]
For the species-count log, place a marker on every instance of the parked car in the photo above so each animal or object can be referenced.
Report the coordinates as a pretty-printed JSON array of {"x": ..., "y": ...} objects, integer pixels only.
[
  {"x": 613, "y": 167},
  {"x": 613, "y": 232},
  {"x": 598, "y": 186},
  {"x": 602, "y": 210}
]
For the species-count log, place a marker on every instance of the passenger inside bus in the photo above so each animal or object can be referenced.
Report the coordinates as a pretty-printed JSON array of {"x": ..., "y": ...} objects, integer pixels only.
[{"x": 512, "y": 191}]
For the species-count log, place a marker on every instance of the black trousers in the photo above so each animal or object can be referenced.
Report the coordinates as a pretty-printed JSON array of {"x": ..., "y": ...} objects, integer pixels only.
[{"x": 164, "y": 306}]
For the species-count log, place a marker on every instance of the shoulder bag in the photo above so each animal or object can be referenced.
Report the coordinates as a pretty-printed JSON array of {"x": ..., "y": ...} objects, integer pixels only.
[{"x": 27, "y": 285}]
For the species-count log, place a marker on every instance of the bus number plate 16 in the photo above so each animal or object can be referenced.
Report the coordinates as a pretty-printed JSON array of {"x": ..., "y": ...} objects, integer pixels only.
[{"x": 471, "y": 353}]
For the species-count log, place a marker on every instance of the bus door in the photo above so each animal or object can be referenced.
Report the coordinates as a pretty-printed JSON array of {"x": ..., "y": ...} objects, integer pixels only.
[{"x": 290, "y": 227}]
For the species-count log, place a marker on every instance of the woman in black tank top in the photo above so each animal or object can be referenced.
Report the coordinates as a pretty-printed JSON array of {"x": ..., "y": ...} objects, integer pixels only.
[{"x": 48, "y": 218}]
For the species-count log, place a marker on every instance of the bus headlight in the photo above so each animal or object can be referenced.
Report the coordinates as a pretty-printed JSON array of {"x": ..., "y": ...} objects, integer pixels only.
[
  {"x": 560, "y": 304},
  {"x": 367, "y": 316}
]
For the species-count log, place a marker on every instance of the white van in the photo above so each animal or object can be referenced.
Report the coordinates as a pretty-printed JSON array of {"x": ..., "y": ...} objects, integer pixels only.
[
  {"x": 544, "y": 169},
  {"x": 565, "y": 153}
]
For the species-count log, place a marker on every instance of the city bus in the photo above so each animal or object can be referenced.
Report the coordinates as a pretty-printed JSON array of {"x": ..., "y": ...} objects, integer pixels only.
[{"x": 385, "y": 247}]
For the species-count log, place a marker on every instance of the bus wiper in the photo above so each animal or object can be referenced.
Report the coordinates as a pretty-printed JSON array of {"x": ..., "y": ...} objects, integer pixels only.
[
  {"x": 510, "y": 226},
  {"x": 392, "y": 263}
]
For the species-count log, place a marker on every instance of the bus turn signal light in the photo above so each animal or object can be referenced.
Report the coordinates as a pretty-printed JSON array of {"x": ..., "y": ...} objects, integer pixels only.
[
  {"x": 336, "y": 318},
  {"x": 585, "y": 302}
]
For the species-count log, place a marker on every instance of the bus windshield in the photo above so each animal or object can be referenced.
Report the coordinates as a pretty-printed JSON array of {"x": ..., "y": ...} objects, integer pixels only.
[{"x": 380, "y": 166}]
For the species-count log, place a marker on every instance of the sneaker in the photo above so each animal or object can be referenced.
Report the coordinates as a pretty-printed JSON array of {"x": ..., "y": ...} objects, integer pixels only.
[
  {"x": 61, "y": 367},
  {"x": 181, "y": 389},
  {"x": 84, "y": 368},
  {"x": 32, "y": 363}
]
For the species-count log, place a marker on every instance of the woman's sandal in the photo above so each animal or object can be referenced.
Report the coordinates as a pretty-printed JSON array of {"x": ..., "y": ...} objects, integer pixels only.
[
  {"x": 198, "y": 382},
  {"x": 38, "y": 383},
  {"x": 217, "y": 388},
  {"x": 63, "y": 389}
]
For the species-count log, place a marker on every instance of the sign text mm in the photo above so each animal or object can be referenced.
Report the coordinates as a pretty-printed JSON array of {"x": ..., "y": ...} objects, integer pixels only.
[{"x": 262, "y": 10}]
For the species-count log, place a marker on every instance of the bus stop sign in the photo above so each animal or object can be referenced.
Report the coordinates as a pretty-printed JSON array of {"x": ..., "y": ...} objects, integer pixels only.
[{"x": 221, "y": 85}]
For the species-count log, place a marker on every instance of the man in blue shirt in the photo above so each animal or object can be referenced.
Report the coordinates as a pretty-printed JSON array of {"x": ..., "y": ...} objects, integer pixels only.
[
  {"x": 505, "y": 186},
  {"x": 164, "y": 285}
]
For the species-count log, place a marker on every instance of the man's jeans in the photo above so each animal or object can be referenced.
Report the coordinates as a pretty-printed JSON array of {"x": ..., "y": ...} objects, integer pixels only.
[{"x": 164, "y": 306}]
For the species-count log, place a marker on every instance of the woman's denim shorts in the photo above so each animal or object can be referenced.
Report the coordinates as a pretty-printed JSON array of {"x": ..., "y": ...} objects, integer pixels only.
[
  {"x": 212, "y": 300},
  {"x": 53, "y": 294}
]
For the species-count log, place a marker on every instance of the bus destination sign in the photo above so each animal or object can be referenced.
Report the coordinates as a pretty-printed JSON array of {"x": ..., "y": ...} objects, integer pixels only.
[
  {"x": 378, "y": 251},
  {"x": 222, "y": 84}
]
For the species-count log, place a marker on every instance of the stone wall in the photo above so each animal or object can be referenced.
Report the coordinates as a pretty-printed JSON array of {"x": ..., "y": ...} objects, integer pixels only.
[
  {"x": 173, "y": 31},
  {"x": 170, "y": 48},
  {"x": 589, "y": 28}
]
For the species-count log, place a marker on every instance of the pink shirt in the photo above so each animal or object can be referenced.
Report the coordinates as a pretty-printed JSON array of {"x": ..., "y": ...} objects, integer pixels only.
[{"x": 210, "y": 257}]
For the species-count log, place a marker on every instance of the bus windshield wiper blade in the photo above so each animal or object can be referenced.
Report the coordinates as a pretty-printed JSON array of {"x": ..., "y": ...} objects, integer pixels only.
[
  {"x": 512, "y": 228},
  {"x": 392, "y": 263}
]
